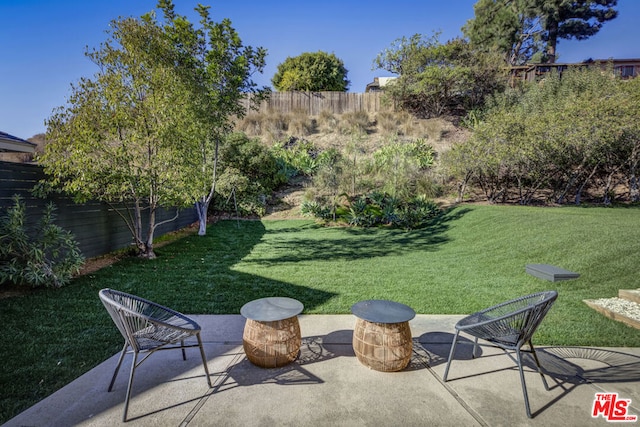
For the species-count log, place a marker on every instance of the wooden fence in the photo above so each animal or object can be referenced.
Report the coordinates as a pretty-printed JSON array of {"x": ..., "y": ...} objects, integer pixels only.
[
  {"x": 313, "y": 103},
  {"x": 97, "y": 228}
]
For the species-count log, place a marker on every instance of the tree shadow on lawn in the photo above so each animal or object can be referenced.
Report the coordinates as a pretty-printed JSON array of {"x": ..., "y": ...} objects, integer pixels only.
[
  {"x": 351, "y": 243},
  {"x": 196, "y": 275}
]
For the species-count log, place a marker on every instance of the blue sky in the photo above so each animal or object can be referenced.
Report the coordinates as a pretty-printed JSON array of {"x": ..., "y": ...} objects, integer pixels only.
[{"x": 42, "y": 42}]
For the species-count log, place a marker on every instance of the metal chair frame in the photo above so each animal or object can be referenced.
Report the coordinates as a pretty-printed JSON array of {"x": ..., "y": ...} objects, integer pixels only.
[
  {"x": 148, "y": 327},
  {"x": 508, "y": 326}
]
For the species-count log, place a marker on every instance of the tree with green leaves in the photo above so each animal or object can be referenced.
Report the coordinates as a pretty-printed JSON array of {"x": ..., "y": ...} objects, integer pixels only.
[
  {"x": 144, "y": 132},
  {"x": 313, "y": 72},
  {"x": 568, "y": 19},
  {"x": 529, "y": 30},
  {"x": 511, "y": 27},
  {"x": 436, "y": 79},
  {"x": 119, "y": 139},
  {"x": 219, "y": 68}
]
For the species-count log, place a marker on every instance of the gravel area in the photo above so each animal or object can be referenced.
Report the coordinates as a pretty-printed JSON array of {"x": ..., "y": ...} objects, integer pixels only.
[{"x": 621, "y": 306}]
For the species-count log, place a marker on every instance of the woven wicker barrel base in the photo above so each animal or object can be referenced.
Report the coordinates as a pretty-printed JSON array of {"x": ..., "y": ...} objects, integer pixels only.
[
  {"x": 272, "y": 344},
  {"x": 384, "y": 347}
]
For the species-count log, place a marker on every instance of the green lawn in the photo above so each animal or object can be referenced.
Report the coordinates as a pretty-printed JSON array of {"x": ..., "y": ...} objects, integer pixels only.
[{"x": 472, "y": 258}]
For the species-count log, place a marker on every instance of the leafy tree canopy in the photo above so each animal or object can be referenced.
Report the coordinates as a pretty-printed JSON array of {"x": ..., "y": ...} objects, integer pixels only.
[
  {"x": 568, "y": 19},
  {"x": 219, "y": 68},
  {"x": 529, "y": 30},
  {"x": 508, "y": 26},
  {"x": 143, "y": 132},
  {"x": 436, "y": 78},
  {"x": 314, "y": 72}
]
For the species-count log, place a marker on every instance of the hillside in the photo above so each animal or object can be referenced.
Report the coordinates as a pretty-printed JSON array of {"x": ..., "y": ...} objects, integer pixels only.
[{"x": 367, "y": 132}]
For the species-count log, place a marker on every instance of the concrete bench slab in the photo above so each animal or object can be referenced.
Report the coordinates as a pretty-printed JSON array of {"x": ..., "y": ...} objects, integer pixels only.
[{"x": 550, "y": 272}]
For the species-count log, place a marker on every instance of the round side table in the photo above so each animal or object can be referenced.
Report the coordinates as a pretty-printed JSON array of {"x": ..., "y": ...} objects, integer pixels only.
[
  {"x": 382, "y": 336},
  {"x": 271, "y": 336}
]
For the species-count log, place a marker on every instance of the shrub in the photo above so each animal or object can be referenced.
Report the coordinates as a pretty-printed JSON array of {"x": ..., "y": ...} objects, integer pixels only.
[
  {"x": 296, "y": 156},
  {"x": 364, "y": 213},
  {"x": 249, "y": 173},
  {"x": 315, "y": 209},
  {"x": 401, "y": 164},
  {"x": 376, "y": 209},
  {"x": 416, "y": 213},
  {"x": 45, "y": 255}
]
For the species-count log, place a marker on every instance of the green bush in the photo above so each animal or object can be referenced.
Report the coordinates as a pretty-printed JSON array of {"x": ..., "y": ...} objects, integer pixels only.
[
  {"x": 296, "y": 157},
  {"x": 364, "y": 213},
  {"x": 248, "y": 175},
  {"x": 416, "y": 213},
  {"x": 45, "y": 255},
  {"x": 315, "y": 209},
  {"x": 401, "y": 165},
  {"x": 377, "y": 209}
]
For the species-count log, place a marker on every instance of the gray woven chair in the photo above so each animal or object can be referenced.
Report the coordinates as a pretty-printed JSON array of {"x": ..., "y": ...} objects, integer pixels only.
[
  {"x": 508, "y": 326},
  {"x": 148, "y": 327}
]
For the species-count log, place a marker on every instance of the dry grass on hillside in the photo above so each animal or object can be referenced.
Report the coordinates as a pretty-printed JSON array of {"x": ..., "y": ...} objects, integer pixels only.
[
  {"x": 337, "y": 130},
  {"x": 328, "y": 130}
]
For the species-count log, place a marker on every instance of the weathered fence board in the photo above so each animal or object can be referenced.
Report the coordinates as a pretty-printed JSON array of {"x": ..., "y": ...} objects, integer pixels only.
[
  {"x": 97, "y": 227},
  {"x": 313, "y": 103}
]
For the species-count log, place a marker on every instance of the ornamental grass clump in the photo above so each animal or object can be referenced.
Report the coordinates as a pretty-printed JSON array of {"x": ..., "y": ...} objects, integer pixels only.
[{"x": 42, "y": 255}]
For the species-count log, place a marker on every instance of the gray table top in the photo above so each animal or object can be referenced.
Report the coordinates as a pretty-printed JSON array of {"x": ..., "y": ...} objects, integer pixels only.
[
  {"x": 271, "y": 309},
  {"x": 383, "y": 311}
]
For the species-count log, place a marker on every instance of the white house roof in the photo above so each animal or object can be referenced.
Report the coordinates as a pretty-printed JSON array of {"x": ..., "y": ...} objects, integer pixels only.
[
  {"x": 385, "y": 80},
  {"x": 379, "y": 82},
  {"x": 13, "y": 144}
]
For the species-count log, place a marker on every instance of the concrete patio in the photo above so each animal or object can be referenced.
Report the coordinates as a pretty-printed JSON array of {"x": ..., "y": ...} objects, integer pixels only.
[{"x": 327, "y": 386}]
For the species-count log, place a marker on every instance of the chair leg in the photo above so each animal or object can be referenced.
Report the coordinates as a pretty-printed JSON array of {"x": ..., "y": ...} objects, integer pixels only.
[
  {"x": 115, "y": 373},
  {"x": 524, "y": 384},
  {"x": 451, "y": 353},
  {"x": 204, "y": 360},
  {"x": 535, "y": 357},
  {"x": 184, "y": 355},
  {"x": 134, "y": 363},
  {"x": 475, "y": 348}
]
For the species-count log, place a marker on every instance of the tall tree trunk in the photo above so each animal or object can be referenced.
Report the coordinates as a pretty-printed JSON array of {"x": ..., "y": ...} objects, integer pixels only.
[
  {"x": 202, "y": 206},
  {"x": 148, "y": 246},
  {"x": 608, "y": 190},
  {"x": 137, "y": 227},
  {"x": 462, "y": 186}
]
